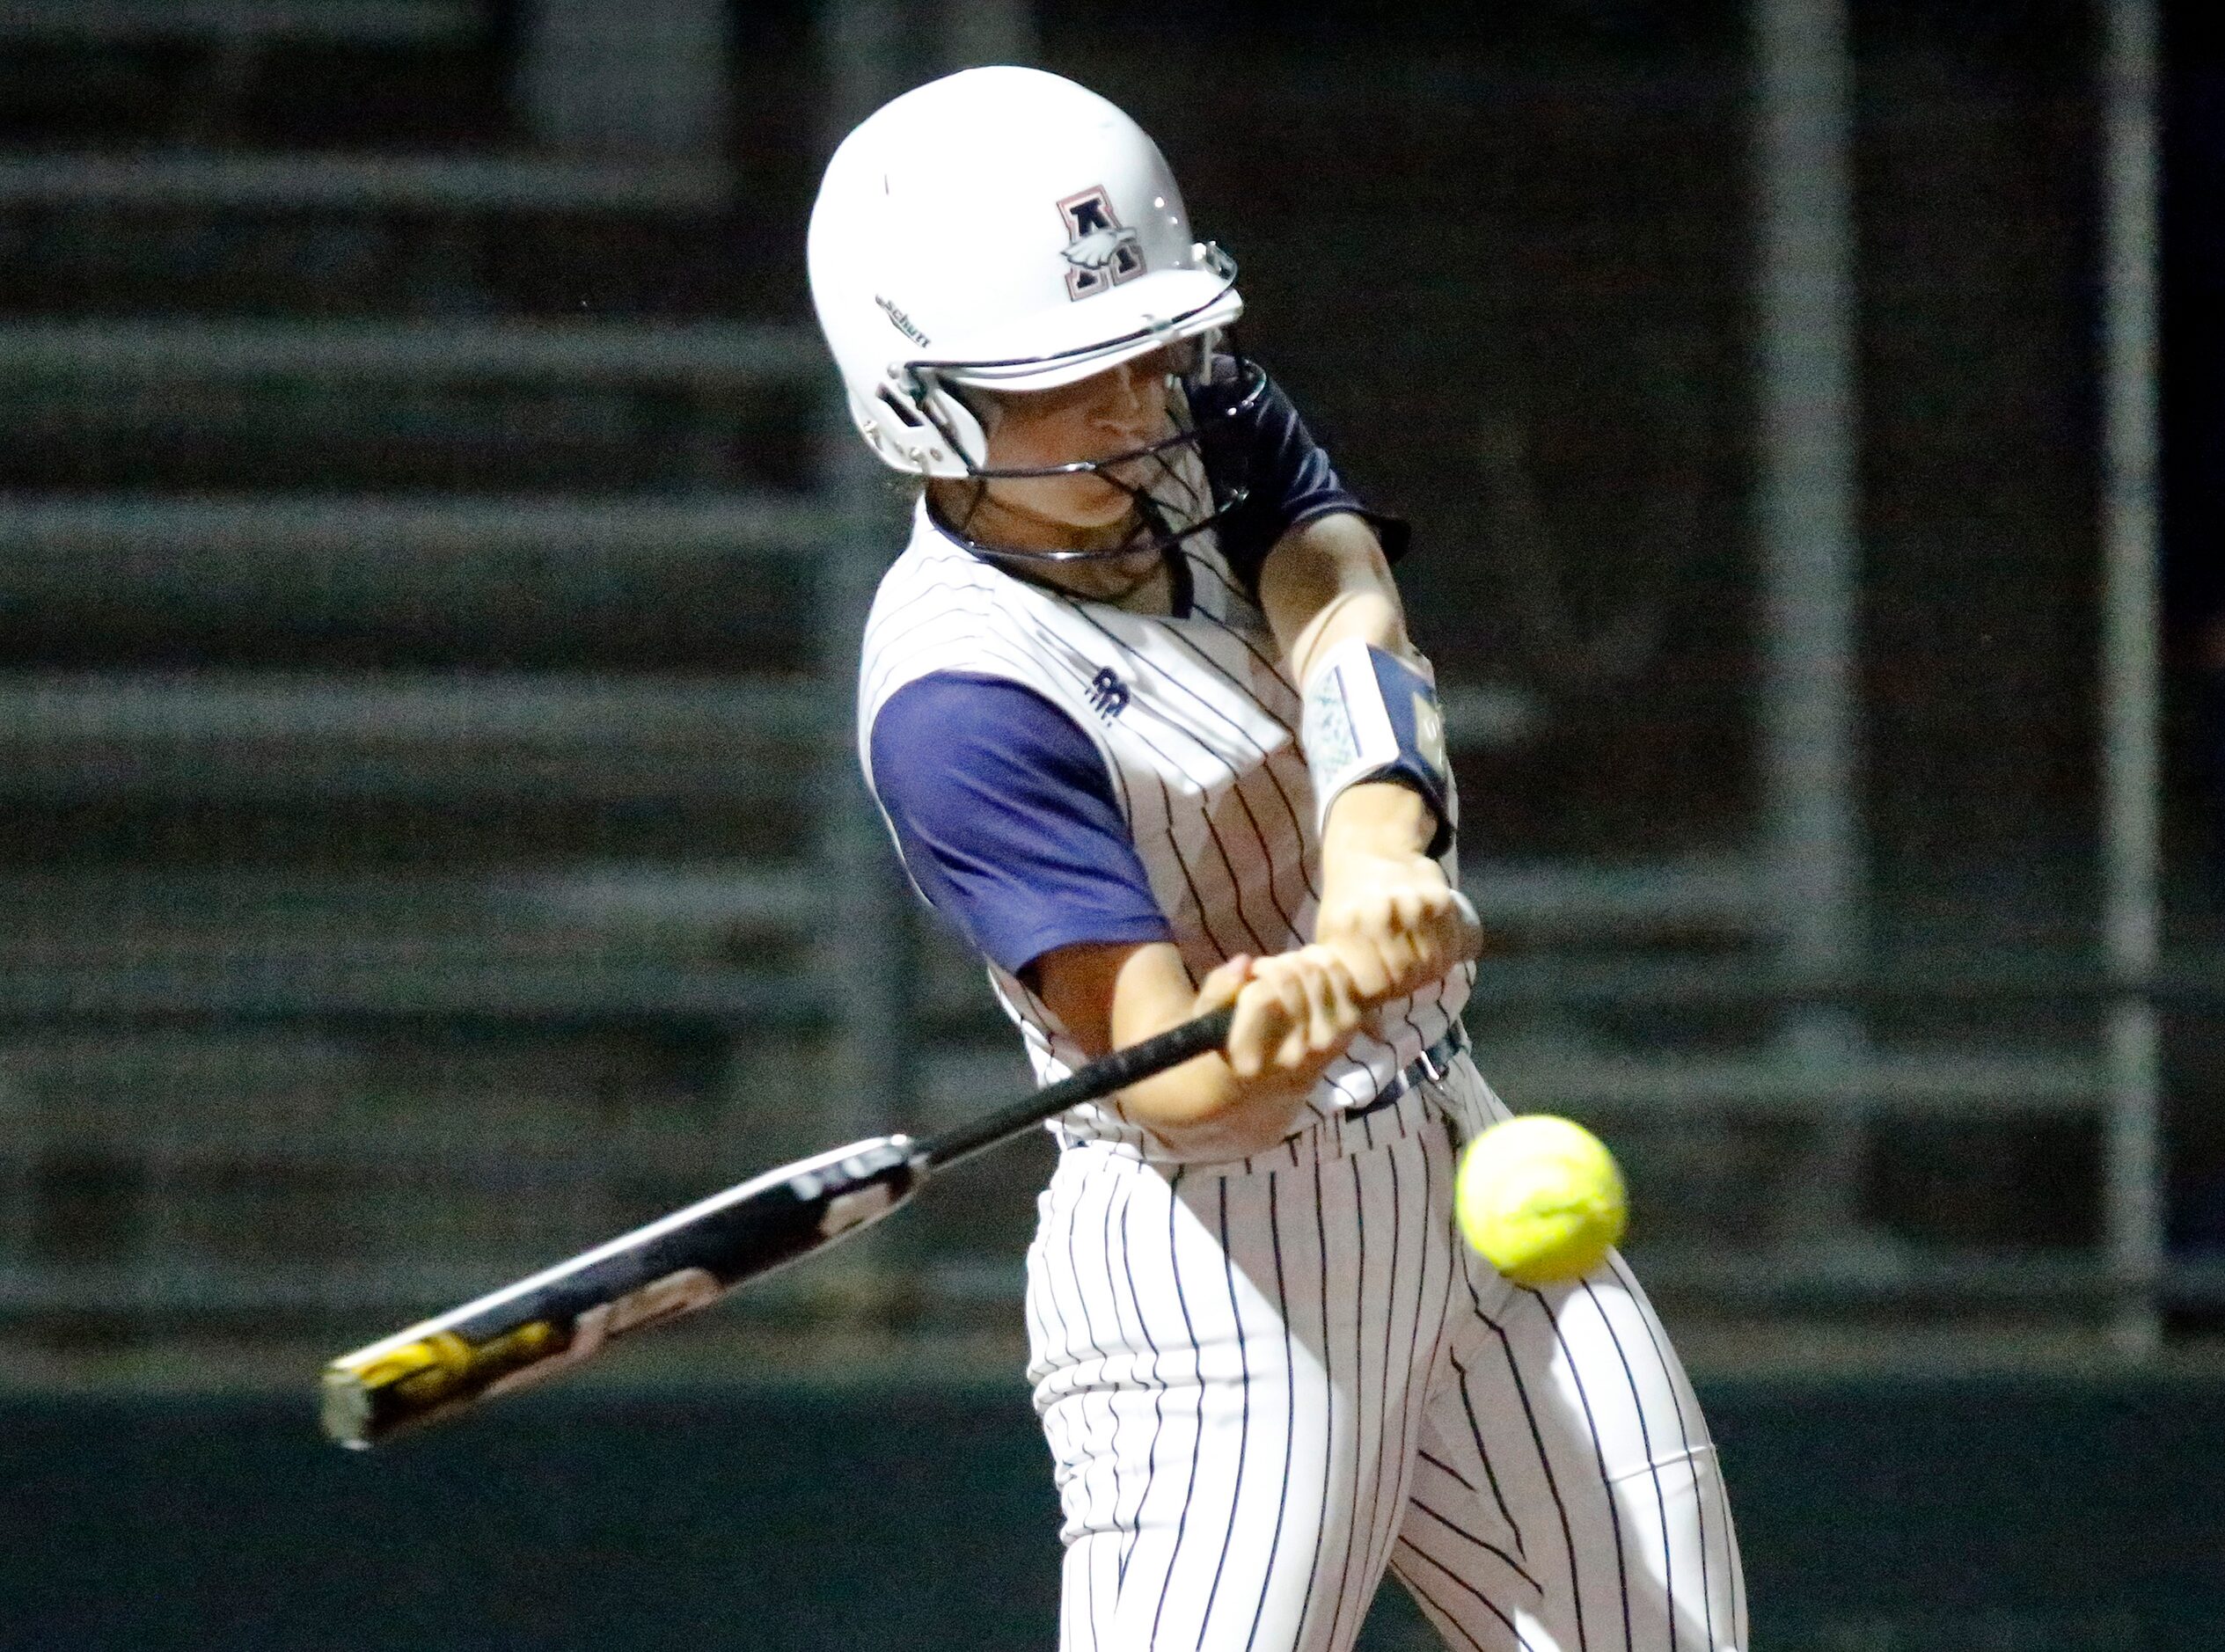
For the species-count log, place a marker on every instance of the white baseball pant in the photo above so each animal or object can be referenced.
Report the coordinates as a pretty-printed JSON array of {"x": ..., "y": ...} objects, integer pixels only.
[{"x": 1264, "y": 1382}]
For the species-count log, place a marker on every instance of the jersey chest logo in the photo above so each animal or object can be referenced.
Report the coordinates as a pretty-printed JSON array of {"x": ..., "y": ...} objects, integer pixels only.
[
  {"x": 1108, "y": 694},
  {"x": 1100, "y": 250}
]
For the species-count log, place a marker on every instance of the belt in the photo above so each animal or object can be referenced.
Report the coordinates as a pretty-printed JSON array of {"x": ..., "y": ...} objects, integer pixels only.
[{"x": 1429, "y": 1067}]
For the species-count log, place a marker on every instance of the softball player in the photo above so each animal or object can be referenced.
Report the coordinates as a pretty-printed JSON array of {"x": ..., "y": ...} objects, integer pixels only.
[{"x": 1139, "y": 704}]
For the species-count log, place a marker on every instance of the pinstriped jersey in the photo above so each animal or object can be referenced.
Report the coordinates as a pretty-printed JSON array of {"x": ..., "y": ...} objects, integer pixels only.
[{"x": 1194, "y": 722}]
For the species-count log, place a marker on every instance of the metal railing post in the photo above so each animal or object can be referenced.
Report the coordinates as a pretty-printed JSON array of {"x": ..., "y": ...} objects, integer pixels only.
[
  {"x": 2130, "y": 757},
  {"x": 1806, "y": 505},
  {"x": 866, "y": 944}
]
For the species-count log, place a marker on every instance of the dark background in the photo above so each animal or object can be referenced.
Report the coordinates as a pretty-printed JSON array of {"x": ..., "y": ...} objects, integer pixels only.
[
  {"x": 1923, "y": 1514},
  {"x": 1502, "y": 256},
  {"x": 2193, "y": 385},
  {"x": 1499, "y": 257}
]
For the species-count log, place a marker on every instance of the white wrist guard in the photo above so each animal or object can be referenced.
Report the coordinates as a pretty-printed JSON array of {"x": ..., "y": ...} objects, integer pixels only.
[{"x": 1371, "y": 716}]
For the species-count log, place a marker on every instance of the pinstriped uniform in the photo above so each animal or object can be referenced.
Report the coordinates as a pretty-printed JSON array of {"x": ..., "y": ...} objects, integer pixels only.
[
  {"x": 1197, "y": 727},
  {"x": 1265, "y": 1383}
]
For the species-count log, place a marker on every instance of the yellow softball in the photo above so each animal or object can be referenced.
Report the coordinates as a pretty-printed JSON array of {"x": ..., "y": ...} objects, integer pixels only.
[{"x": 1541, "y": 1197}]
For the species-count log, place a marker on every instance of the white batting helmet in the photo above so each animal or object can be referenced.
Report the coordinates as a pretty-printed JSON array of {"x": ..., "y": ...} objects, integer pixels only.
[{"x": 1002, "y": 227}]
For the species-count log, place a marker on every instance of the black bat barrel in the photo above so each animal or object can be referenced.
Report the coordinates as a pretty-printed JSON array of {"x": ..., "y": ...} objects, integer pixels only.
[{"x": 563, "y": 1316}]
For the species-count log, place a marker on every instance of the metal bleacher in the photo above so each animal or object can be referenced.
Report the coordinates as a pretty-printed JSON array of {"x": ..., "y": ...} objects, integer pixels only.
[
  {"x": 426, "y": 724},
  {"x": 234, "y": 22},
  {"x": 423, "y": 733},
  {"x": 432, "y": 838}
]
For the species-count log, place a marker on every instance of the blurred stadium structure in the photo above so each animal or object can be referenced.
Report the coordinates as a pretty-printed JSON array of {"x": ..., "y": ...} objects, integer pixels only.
[{"x": 431, "y": 559}]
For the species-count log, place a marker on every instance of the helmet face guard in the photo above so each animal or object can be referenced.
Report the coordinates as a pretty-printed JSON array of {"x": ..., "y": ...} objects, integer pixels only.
[{"x": 1154, "y": 531}]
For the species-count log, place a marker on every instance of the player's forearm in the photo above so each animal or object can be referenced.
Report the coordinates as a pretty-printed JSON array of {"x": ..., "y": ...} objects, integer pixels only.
[
  {"x": 1377, "y": 818},
  {"x": 1325, "y": 584},
  {"x": 1203, "y": 1109},
  {"x": 1294, "y": 1014},
  {"x": 1221, "y": 1116},
  {"x": 1385, "y": 908}
]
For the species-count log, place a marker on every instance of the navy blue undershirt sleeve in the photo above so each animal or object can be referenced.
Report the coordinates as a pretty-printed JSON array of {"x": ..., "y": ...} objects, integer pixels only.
[
  {"x": 1266, "y": 451},
  {"x": 1007, "y": 819}
]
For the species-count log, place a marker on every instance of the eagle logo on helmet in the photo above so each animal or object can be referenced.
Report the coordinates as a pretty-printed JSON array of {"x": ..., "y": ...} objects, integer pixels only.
[{"x": 1100, "y": 250}]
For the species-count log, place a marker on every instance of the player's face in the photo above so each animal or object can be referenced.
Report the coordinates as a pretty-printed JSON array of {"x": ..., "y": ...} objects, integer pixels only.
[{"x": 1115, "y": 412}]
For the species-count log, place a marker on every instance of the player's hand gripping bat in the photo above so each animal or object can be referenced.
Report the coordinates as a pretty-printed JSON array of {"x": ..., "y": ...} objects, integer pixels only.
[{"x": 564, "y": 1315}]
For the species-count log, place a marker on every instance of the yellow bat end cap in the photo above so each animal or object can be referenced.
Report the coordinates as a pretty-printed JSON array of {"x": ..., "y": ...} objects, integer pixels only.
[{"x": 1540, "y": 1198}]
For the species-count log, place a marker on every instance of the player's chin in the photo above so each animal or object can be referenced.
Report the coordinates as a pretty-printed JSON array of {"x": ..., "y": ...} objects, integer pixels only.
[
  {"x": 1080, "y": 504},
  {"x": 1096, "y": 501}
]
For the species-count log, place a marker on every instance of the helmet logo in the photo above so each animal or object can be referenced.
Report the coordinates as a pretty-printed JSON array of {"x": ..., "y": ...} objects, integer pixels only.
[
  {"x": 1101, "y": 252},
  {"x": 900, "y": 321}
]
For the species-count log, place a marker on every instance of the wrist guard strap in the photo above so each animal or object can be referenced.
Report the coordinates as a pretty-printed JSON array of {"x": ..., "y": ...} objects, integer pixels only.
[{"x": 1371, "y": 716}]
